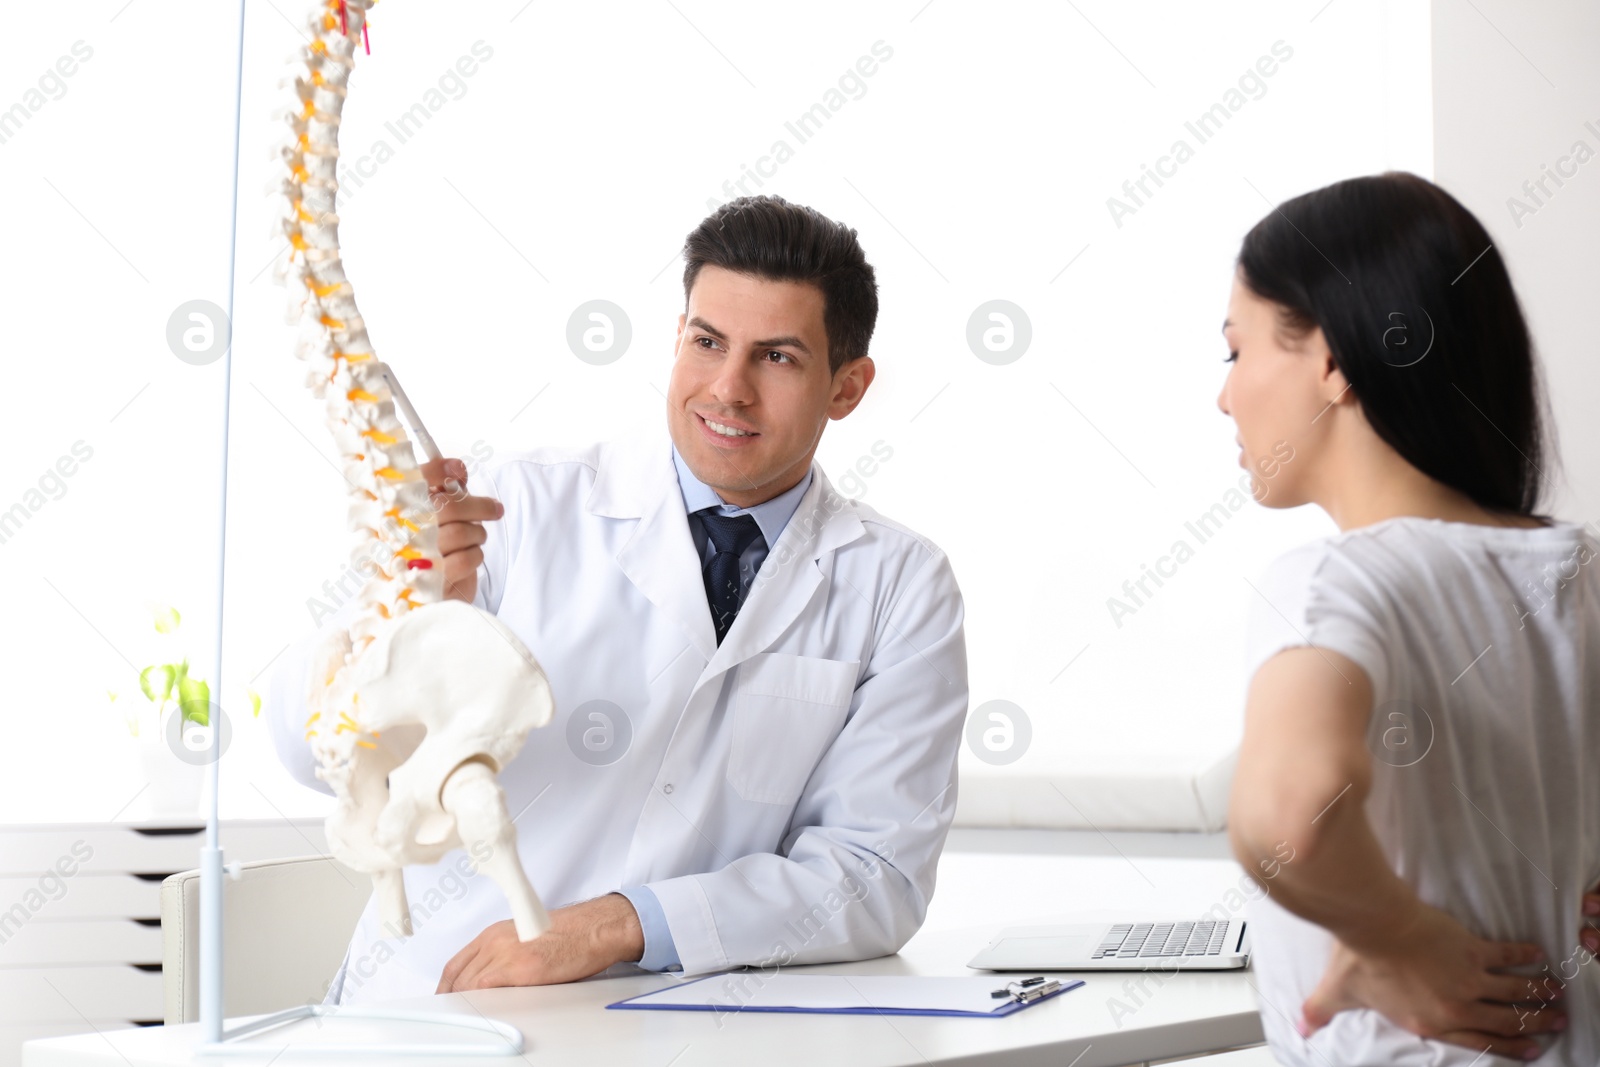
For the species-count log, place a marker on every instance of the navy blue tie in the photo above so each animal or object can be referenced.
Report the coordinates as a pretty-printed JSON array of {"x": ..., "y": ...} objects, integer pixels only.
[{"x": 730, "y": 536}]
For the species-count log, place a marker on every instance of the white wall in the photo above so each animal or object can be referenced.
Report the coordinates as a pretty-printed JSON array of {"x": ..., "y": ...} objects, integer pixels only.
[
  {"x": 1516, "y": 88},
  {"x": 977, "y": 164}
]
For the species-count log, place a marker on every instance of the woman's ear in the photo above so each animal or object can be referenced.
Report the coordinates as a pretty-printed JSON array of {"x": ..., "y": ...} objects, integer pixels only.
[{"x": 1332, "y": 386}]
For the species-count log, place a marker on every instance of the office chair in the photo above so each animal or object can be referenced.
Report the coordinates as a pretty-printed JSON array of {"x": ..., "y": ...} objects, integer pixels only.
[{"x": 286, "y": 924}]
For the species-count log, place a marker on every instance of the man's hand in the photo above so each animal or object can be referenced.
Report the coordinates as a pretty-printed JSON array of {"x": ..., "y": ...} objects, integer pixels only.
[
  {"x": 583, "y": 939},
  {"x": 461, "y": 518},
  {"x": 1435, "y": 978}
]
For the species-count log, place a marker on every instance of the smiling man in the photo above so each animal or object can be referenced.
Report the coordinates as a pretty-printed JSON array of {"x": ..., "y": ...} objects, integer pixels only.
[{"x": 760, "y": 684}]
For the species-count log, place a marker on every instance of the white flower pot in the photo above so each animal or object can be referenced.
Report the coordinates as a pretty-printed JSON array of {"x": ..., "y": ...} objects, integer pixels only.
[{"x": 174, "y": 784}]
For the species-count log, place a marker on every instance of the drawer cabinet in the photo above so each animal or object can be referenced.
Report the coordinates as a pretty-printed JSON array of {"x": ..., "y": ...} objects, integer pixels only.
[{"x": 80, "y": 917}]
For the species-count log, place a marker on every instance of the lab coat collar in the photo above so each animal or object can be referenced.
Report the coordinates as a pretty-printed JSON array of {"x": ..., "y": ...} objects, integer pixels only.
[{"x": 636, "y": 479}]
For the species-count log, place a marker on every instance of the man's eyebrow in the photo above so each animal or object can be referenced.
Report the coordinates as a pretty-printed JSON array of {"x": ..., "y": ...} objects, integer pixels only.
[
  {"x": 701, "y": 324},
  {"x": 784, "y": 342},
  {"x": 771, "y": 342},
  {"x": 1225, "y": 324}
]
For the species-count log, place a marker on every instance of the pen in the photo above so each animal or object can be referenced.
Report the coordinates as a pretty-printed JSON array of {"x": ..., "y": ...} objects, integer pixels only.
[
  {"x": 1038, "y": 992},
  {"x": 1008, "y": 991},
  {"x": 424, "y": 438}
]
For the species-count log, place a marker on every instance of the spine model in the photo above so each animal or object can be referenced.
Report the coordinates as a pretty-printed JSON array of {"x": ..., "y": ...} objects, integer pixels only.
[
  {"x": 396, "y": 538},
  {"x": 412, "y": 712}
]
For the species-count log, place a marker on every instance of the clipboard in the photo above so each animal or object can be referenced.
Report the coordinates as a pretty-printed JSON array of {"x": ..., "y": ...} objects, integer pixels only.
[{"x": 973, "y": 997}]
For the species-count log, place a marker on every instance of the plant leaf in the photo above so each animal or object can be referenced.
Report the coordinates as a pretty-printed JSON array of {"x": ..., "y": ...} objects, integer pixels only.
[
  {"x": 194, "y": 701},
  {"x": 156, "y": 681},
  {"x": 167, "y": 620}
]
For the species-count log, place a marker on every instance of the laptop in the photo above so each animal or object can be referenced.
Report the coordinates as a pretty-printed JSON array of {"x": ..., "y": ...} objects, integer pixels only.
[{"x": 1201, "y": 945}]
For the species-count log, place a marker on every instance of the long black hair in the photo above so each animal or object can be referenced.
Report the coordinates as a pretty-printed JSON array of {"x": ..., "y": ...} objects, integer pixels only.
[{"x": 1418, "y": 310}]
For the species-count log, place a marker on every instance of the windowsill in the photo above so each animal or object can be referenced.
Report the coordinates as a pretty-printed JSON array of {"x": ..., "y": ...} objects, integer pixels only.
[{"x": 1182, "y": 801}]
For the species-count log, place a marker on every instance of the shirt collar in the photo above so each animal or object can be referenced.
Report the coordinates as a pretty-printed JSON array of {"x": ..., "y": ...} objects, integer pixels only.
[{"x": 771, "y": 515}]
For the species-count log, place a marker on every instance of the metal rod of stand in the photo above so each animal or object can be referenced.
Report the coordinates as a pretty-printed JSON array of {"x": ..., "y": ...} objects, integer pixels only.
[{"x": 211, "y": 854}]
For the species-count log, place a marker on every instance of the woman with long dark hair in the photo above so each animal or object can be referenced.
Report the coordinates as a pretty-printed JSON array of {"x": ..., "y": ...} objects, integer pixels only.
[{"x": 1414, "y": 788}]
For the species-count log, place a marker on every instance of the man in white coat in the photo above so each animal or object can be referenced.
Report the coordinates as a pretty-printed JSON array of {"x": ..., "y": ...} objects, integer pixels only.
[{"x": 760, "y": 684}]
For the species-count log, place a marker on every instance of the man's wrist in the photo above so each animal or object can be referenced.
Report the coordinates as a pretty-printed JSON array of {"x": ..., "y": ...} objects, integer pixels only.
[
  {"x": 1392, "y": 916},
  {"x": 617, "y": 932}
]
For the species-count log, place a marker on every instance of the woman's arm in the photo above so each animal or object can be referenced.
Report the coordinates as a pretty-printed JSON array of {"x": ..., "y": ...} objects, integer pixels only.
[{"x": 1300, "y": 791}]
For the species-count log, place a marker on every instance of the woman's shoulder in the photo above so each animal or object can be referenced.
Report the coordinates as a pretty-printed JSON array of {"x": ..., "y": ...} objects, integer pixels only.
[
  {"x": 1411, "y": 545},
  {"x": 1324, "y": 594},
  {"x": 1411, "y": 551},
  {"x": 1359, "y": 581},
  {"x": 1294, "y": 572}
]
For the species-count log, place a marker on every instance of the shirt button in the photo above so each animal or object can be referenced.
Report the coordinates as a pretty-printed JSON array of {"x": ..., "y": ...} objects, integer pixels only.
[{"x": 667, "y": 788}]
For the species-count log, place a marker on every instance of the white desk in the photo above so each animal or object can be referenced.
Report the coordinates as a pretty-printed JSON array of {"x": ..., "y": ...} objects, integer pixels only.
[
  {"x": 568, "y": 1025},
  {"x": 1089, "y": 1027}
]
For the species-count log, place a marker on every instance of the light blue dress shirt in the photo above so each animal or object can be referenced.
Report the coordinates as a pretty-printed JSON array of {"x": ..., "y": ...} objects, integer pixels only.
[{"x": 771, "y": 516}]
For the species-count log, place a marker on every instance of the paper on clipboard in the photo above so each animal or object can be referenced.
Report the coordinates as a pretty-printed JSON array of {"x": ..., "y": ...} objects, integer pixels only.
[{"x": 840, "y": 994}]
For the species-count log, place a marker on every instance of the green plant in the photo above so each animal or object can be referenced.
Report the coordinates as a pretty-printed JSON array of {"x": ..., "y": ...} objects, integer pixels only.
[{"x": 162, "y": 683}]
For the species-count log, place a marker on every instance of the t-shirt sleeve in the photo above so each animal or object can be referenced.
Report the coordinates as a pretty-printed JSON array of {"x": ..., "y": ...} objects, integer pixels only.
[{"x": 1313, "y": 596}]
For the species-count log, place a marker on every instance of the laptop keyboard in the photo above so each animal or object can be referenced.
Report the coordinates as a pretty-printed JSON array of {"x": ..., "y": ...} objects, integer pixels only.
[{"x": 1141, "y": 940}]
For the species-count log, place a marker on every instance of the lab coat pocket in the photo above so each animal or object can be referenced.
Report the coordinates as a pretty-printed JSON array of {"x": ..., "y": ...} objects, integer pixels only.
[{"x": 786, "y": 711}]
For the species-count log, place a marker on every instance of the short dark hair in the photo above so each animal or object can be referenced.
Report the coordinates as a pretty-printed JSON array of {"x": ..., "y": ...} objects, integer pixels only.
[
  {"x": 1389, "y": 261},
  {"x": 768, "y": 237}
]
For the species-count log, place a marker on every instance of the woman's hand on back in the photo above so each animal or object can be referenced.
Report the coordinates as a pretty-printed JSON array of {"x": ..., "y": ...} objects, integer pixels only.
[{"x": 1437, "y": 979}]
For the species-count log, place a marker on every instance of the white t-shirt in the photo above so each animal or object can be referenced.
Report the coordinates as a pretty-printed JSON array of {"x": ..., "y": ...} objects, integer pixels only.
[{"x": 1483, "y": 647}]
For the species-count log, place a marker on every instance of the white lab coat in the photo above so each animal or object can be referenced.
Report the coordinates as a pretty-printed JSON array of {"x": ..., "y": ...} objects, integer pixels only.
[{"x": 786, "y": 795}]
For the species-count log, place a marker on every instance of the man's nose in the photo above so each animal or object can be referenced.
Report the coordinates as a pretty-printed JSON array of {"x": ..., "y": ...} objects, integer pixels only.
[{"x": 731, "y": 385}]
